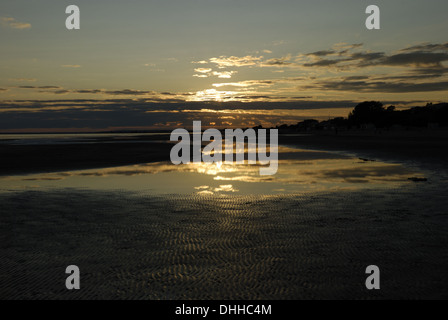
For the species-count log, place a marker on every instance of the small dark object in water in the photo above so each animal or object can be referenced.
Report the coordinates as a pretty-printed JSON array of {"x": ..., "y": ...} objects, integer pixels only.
[
  {"x": 415, "y": 179},
  {"x": 363, "y": 159}
]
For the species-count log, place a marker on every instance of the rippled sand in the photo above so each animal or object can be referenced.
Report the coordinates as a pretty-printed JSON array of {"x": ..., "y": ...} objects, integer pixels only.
[{"x": 134, "y": 246}]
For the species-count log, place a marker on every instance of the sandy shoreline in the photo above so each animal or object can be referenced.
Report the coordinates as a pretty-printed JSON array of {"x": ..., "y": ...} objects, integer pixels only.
[
  {"x": 131, "y": 246},
  {"x": 421, "y": 149},
  {"x": 424, "y": 149},
  {"x": 26, "y": 159}
]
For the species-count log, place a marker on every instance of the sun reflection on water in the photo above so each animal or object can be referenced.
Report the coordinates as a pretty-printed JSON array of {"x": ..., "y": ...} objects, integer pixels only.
[{"x": 299, "y": 171}]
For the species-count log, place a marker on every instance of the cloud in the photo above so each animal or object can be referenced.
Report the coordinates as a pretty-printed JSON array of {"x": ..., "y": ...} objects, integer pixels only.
[
  {"x": 278, "y": 62},
  {"x": 324, "y": 63},
  {"x": 247, "y": 83},
  {"x": 427, "y": 47},
  {"x": 207, "y": 72},
  {"x": 203, "y": 70},
  {"x": 427, "y": 55},
  {"x": 323, "y": 75},
  {"x": 343, "y": 57},
  {"x": 95, "y": 91},
  {"x": 251, "y": 61},
  {"x": 39, "y": 87},
  {"x": 142, "y": 113},
  {"x": 415, "y": 69},
  {"x": 224, "y": 74},
  {"x": 126, "y": 92},
  {"x": 366, "y": 58},
  {"x": 322, "y": 53},
  {"x": 148, "y": 94},
  {"x": 234, "y": 61},
  {"x": 200, "y": 75},
  {"x": 13, "y": 23},
  {"x": 379, "y": 86},
  {"x": 261, "y": 83},
  {"x": 415, "y": 59},
  {"x": 343, "y": 46},
  {"x": 419, "y": 68}
]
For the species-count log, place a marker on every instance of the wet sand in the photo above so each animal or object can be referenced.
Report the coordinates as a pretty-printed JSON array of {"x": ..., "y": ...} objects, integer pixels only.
[
  {"x": 26, "y": 159},
  {"x": 424, "y": 148},
  {"x": 133, "y": 246}
]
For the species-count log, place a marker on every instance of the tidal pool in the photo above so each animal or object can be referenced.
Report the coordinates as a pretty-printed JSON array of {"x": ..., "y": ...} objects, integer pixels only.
[{"x": 299, "y": 171}]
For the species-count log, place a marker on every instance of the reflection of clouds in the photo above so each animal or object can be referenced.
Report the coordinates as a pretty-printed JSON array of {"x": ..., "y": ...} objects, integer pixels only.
[
  {"x": 207, "y": 190},
  {"x": 211, "y": 168},
  {"x": 150, "y": 168},
  {"x": 201, "y": 187},
  {"x": 226, "y": 188},
  {"x": 300, "y": 171},
  {"x": 290, "y": 172},
  {"x": 318, "y": 171},
  {"x": 246, "y": 178}
]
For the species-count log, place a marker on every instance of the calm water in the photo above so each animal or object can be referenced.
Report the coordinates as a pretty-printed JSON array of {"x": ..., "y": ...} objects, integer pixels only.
[
  {"x": 298, "y": 171},
  {"x": 217, "y": 231}
]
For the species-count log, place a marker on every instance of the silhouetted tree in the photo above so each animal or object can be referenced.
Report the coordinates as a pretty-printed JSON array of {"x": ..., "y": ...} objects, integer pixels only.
[
  {"x": 367, "y": 112},
  {"x": 374, "y": 112}
]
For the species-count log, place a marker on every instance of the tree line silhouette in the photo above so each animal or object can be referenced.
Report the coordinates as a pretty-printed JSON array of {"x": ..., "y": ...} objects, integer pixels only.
[{"x": 373, "y": 114}]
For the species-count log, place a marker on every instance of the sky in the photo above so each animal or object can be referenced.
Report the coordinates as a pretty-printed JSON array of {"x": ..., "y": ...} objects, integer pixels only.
[{"x": 162, "y": 64}]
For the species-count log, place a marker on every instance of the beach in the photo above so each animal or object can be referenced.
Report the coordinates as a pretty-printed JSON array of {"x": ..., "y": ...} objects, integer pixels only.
[
  {"x": 24, "y": 158},
  {"x": 422, "y": 148},
  {"x": 262, "y": 151},
  {"x": 296, "y": 247},
  {"x": 419, "y": 146},
  {"x": 311, "y": 241}
]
